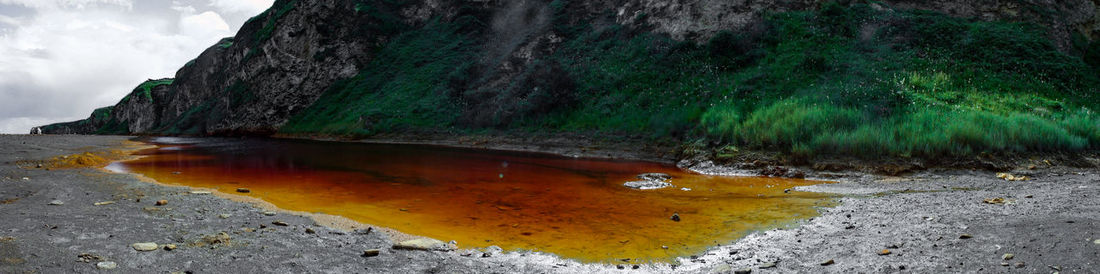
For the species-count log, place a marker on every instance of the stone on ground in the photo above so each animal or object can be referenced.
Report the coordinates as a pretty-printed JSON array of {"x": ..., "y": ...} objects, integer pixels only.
[
  {"x": 424, "y": 244},
  {"x": 145, "y": 246}
]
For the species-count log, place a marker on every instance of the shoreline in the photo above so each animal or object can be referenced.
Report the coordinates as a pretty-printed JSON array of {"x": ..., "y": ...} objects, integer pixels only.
[{"x": 1047, "y": 221}]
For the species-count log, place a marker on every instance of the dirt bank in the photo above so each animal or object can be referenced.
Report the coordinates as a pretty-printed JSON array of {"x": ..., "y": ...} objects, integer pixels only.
[{"x": 1047, "y": 222}]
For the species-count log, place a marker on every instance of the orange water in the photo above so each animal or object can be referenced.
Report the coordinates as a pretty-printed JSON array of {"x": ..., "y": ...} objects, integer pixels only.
[{"x": 576, "y": 208}]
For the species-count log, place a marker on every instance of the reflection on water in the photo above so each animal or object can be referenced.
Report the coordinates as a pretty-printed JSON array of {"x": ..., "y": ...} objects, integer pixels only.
[{"x": 576, "y": 208}]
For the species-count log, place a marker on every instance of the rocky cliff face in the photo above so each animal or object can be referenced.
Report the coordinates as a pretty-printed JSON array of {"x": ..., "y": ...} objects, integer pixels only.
[{"x": 283, "y": 60}]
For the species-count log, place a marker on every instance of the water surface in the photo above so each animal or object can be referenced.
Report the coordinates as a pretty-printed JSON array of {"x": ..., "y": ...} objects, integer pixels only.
[{"x": 574, "y": 207}]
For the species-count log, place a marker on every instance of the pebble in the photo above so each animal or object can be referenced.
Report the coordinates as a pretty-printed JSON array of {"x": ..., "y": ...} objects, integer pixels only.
[
  {"x": 269, "y": 213},
  {"x": 310, "y": 231},
  {"x": 1008, "y": 256},
  {"x": 170, "y": 247},
  {"x": 244, "y": 190},
  {"x": 224, "y": 216},
  {"x": 162, "y": 202},
  {"x": 56, "y": 202},
  {"x": 279, "y": 223},
  {"x": 371, "y": 252},
  {"x": 965, "y": 236},
  {"x": 884, "y": 252},
  {"x": 106, "y": 265},
  {"x": 829, "y": 262},
  {"x": 144, "y": 246},
  {"x": 104, "y": 203}
]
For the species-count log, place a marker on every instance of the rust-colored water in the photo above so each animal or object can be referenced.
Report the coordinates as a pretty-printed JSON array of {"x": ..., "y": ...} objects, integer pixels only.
[{"x": 576, "y": 208}]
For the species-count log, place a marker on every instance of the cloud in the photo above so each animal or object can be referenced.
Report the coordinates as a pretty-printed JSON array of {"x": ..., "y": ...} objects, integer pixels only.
[
  {"x": 251, "y": 7},
  {"x": 70, "y": 57}
]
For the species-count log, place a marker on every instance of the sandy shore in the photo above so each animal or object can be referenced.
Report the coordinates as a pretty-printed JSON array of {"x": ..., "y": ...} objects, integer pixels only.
[{"x": 1050, "y": 222}]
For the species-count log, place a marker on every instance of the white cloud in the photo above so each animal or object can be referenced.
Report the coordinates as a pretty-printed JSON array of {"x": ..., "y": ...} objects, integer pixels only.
[
  {"x": 73, "y": 56},
  {"x": 251, "y": 7},
  {"x": 68, "y": 4}
]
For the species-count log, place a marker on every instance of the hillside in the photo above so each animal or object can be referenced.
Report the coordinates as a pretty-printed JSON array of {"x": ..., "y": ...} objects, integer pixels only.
[{"x": 924, "y": 79}]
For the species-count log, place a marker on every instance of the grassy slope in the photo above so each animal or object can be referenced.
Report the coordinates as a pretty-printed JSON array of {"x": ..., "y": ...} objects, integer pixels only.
[{"x": 842, "y": 80}]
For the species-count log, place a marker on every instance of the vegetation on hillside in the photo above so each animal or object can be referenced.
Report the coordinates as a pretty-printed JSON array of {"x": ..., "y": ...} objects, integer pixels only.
[{"x": 841, "y": 80}]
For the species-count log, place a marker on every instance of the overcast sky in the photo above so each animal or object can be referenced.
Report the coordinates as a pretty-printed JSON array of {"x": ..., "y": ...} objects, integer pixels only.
[{"x": 61, "y": 59}]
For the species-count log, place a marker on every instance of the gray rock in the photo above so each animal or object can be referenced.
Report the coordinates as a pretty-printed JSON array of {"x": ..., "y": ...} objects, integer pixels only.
[
  {"x": 645, "y": 185},
  {"x": 1008, "y": 256},
  {"x": 424, "y": 244},
  {"x": 106, "y": 265},
  {"x": 269, "y": 213},
  {"x": 145, "y": 246},
  {"x": 371, "y": 252},
  {"x": 56, "y": 202},
  {"x": 654, "y": 176}
]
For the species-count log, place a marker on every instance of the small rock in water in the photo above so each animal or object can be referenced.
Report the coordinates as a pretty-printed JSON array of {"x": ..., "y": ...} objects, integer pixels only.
[
  {"x": 269, "y": 213},
  {"x": 646, "y": 185},
  {"x": 884, "y": 252},
  {"x": 654, "y": 176},
  {"x": 1007, "y": 256},
  {"x": 244, "y": 190},
  {"x": 371, "y": 252},
  {"x": 279, "y": 223},
  {"x": 106, "y": 265},
  {"x": 162, "y": 202},
  {"x": 104, "y": 203},
  {"x": 424, "y": 244},
  {"x": 57, "y": 202},
  {"x": 224, "y": 216},
  {"x": 145, "y": 246},
  {"x": 829, "y": 262},
  {"x": 965, "y": 236},
  {"x": 675, "y": 217},
  {"x": 200, "y": 192}
]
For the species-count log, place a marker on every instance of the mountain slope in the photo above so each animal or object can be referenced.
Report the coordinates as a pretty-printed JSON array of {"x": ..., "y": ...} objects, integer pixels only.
[{"x": 900, "y": 78}]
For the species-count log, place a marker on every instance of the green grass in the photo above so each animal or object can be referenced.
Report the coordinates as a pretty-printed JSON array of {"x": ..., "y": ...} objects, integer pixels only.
[{"x": 146, "y": 88}]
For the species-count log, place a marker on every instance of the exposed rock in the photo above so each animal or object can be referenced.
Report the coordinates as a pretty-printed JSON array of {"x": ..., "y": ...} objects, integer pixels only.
[
  {"x": 646, "y": 185},
  {"x": 965, "y": 236},
  {"x": 104, "y": 203},
  {"x": 170, "y": 247},
  {"x": 310, "y": 231},
  {"x": 424, "y": 244},
  {"x": 269, "y": 213},
  {"x": 654, "y": 176},
  {"x": 162, "y": 202},
  {"x": 145, "y": 246},
  {"x": 57, "y": 202},
  {"x": 106, "y": 265},
  {"x": 371, "y": 252},
  {"x": 1008, "y": 256},
  {"x": 279, "y": 223},
  {"x": 828, "y": 262}
]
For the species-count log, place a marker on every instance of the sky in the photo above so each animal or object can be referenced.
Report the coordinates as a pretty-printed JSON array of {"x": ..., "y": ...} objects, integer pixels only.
[{"x": 61, "y": 59}]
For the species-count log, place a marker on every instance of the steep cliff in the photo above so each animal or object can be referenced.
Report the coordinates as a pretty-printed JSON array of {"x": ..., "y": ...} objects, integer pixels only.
[{"x": 632, "y": 67}]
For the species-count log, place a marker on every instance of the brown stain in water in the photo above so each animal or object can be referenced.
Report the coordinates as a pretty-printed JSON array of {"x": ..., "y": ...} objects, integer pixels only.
[{"x": 575, "y": 208}]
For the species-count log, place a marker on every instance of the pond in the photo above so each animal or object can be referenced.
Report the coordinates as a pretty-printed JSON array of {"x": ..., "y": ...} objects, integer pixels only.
[{"x": 576, "y": 208}]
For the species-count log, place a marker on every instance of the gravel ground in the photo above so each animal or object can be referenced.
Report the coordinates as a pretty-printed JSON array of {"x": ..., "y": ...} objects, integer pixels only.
[{"x": 1049, "y": 223}]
